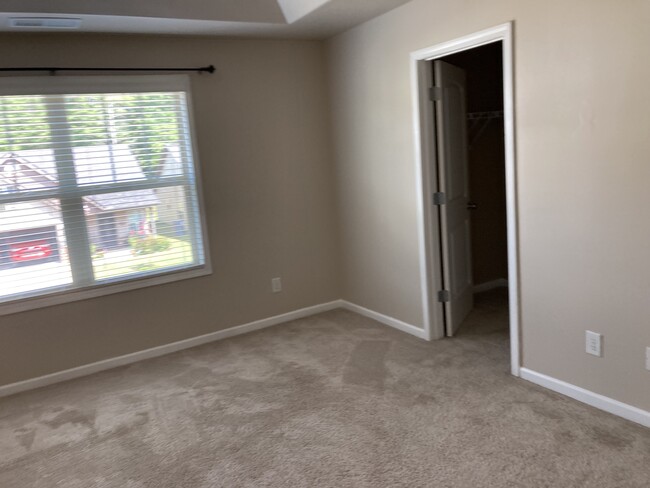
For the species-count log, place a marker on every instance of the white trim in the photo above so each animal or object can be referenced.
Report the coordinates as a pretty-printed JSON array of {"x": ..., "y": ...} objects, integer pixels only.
[
  {"x": 153, "y": 352},
  {"x": 491, "y": 285},
  {"x": 204, "y": 244},
  {"x": 67, "y": 295},
  {"x": 425, "y": 180},
  {"x": 596, "y": 400},
  {"x": 385, "y": 319}
]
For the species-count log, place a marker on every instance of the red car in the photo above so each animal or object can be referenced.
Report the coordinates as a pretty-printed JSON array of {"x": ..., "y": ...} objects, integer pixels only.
[{"x": 30, "y": 250}]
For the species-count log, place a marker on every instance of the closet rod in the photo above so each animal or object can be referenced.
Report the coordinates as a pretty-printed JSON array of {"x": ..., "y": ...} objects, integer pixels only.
[{"x": 495, "y": 114}]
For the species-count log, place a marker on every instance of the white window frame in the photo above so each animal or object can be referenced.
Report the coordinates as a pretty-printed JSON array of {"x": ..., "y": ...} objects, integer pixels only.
[{"x": 60, "y": 85}]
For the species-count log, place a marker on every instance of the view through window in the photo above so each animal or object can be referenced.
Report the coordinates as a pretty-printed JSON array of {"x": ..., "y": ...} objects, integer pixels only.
[{"x": 95, "y": 188}]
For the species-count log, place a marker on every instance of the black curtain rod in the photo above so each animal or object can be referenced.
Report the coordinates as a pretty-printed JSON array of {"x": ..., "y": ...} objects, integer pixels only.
[{"x": 205, "y": 69}]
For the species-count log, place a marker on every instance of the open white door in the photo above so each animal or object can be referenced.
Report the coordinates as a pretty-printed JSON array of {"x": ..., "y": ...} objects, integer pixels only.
[{"x": 451, "y": 128}]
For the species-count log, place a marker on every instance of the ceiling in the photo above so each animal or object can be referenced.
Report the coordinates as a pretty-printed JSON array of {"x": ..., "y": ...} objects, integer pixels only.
[{"x": 314, "y": 19}]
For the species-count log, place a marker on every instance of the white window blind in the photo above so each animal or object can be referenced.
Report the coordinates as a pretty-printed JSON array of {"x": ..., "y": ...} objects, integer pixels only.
[{"x": 96, "y": 188}]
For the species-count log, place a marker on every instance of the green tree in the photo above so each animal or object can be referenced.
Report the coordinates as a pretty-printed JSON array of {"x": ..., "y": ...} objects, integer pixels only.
[
  {"x": 146, "y": 122},
  {"x": 87, "y": 120},
  {"x": 23, "y": 124}
]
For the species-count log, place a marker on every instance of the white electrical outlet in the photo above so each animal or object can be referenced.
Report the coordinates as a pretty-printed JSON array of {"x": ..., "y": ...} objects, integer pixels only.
[
  {"x": 276, "y": 285},
  {"x": 647, "y": 358},
  {"x": 594, "y": 344}
]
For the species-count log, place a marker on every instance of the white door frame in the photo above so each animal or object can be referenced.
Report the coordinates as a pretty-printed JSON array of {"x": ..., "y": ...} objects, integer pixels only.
[{"x": 426, "y": 180}]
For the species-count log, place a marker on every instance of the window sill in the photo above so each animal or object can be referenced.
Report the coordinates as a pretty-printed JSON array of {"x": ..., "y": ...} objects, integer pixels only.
[{"x": 67, "y": 296}]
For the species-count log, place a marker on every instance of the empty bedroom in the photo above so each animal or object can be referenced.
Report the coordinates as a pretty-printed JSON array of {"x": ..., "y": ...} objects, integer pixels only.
[{"x": 324, "y": 243}]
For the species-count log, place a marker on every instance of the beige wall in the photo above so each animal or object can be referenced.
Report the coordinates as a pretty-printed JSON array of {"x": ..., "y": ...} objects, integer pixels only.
[
  {"x": 583, "y": 113},
  {"x": 263, "y": 141}
]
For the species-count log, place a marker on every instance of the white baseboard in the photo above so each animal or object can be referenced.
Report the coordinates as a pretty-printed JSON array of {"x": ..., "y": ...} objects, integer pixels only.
[
  {"x": 153, "y": 352},
  {"x": 91, "y": 368},
  {"x": 589, "y": 397},
  {"x": 491, "y": 285},
  {"x": 386, "y": 320},
  {"x": 596, "y": 400}
]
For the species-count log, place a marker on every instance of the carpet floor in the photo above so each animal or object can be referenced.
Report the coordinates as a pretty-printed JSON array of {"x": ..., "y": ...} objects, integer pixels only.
[{"x": 333, "y": 400}]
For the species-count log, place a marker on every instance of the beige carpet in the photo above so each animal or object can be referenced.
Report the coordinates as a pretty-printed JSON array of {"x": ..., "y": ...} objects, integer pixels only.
[{"x": 335, "y": 400}]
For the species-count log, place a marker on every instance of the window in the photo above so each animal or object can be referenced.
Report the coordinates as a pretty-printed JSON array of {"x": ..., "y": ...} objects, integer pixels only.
[{"x": 98, "y": 187}]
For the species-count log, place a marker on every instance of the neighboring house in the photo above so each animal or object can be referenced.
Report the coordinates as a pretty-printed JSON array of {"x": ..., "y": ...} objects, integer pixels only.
[
  {"x": 172, "y": 210},
  {"x": 33, "y": 231}
]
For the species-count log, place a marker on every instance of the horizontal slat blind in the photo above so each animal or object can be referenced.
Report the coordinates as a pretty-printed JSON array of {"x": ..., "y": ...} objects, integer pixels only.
[{"x": 95, "y": 189}]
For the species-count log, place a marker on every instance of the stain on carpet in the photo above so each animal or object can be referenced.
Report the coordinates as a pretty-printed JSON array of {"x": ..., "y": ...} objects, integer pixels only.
[
  {"x": 611, "y": 439},
  {"x": 25, "y": 437},
  {"x": 366, "y": 364},
  {"x": 71, "y": 416}
]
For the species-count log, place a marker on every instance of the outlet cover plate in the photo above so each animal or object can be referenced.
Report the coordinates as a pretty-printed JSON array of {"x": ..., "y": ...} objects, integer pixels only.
[
  {"x": 594, "y": 343},
  {"x": 276, "y": 285}
]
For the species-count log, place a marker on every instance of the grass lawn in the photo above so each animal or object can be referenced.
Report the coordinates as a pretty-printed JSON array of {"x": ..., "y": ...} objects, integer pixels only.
[{"x": 123, "y": 262}]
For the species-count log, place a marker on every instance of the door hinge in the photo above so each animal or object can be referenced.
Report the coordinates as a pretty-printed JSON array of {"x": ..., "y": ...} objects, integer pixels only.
[
  {"x": 443, "y": 296},
  {"x": 435, "y": 93},
  {"x": 439, "y": 198}
]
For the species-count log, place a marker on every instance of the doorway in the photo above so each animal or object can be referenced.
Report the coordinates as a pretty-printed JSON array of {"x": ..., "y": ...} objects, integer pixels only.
[
  {"x": 471, "y": 175},
  {"x": 463, "y": 96}
]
